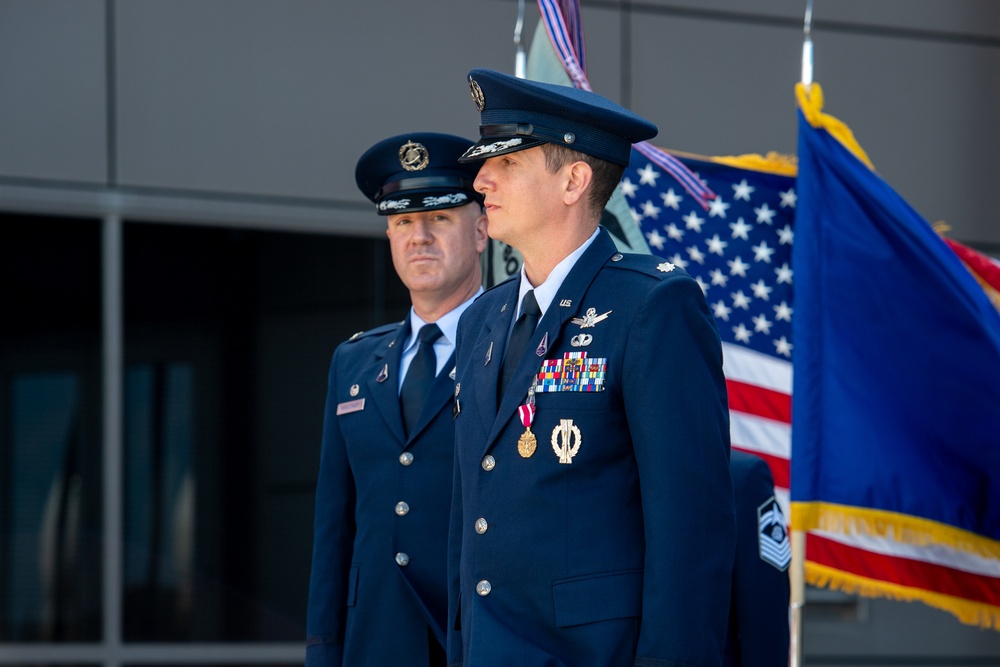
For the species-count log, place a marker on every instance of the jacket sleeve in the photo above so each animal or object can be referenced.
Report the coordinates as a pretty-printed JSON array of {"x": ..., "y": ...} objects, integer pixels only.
[
  {"x": 333, "y": 536},
  {"x": 760, "y": 590},
  {"x": 675, "y": 400}
]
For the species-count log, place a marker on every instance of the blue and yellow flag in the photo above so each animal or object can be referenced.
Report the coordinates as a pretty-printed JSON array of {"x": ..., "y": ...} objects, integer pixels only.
[{"x": 896, "y": 408}]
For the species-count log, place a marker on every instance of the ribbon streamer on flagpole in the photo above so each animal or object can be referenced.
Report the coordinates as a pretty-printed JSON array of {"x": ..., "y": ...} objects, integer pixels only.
[{"x": 568, "y": 45}]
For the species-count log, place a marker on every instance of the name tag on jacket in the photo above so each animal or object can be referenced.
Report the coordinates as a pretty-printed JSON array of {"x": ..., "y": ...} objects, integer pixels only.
[{"x": 350, "y": 406}]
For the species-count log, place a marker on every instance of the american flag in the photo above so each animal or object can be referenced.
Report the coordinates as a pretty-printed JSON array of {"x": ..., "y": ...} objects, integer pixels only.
[{"x": 739, "y": 251}]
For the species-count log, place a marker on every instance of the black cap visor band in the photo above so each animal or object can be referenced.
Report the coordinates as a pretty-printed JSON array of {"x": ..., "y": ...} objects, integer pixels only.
[{"x": 425, "y": 183}]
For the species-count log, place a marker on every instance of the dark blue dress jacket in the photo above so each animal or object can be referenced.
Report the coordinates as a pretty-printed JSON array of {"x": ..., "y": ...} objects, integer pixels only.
[
  {"x": 618, "y": 549},
  {"x": 378, "y": 577},
  {"x": 758, "y": 613}
]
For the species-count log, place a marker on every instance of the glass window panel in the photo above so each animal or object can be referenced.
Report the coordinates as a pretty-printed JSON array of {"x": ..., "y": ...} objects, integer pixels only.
[
  {"x": 228, "y": 336},
  {"x": 50, "y": 526},
  {"x": 159, "y": 483}
]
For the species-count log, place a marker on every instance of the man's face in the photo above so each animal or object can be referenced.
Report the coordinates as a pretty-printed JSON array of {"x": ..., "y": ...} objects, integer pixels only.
[
  {"x": 437, "y": 252},
  {"x": 520, "y": 193}
]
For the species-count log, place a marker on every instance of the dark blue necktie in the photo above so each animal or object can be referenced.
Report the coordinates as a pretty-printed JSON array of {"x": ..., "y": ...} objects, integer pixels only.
[
  {"x": 524, "y": 329},
  {"x": 419, "y": 376}
]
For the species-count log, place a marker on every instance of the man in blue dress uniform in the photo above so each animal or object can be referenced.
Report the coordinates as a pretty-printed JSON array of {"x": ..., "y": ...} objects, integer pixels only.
[
  {"x": 758, "y": 611},
  {"x": 378, "y": 591},
  {"x": 593, "y": 518}
]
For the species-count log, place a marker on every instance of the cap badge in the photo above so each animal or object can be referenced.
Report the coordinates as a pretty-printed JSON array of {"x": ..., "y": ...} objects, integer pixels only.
[
  {"x": 477, "y": 94},
  {"x": 413, "y": 156}
]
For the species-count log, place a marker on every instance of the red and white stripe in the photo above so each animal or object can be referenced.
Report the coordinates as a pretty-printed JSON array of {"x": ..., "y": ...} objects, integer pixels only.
[{"x": 760, "y": 398}]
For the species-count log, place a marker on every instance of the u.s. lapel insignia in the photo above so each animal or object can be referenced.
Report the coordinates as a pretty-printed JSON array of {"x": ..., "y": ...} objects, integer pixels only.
[
  {"x": 666, "y": 267},
  {"x": 456, "y": 407},
  {"x": 489, "y": 354},
  {"x": 543, "y": 346},
  {"x": 566, "y": 303},
  {"x": 566, "y": 440},
  {"x": 451, "y": 375},
  {"x": 581, "y": 340},
  {"x": 772, "y": 535},
  {"x": 590, "y": 318},
  {"x": 383, "y": 374},
  {"x": 354, "y": 390}
]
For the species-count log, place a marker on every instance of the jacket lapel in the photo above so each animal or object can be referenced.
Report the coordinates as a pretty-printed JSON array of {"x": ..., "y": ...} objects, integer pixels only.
[
  {"x": 488, "y": 351},
  {"x": 438, "y": 394},
  {"x": 383, "y": 382}
]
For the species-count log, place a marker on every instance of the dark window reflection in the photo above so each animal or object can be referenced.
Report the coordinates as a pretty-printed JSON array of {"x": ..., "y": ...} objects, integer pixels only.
[
  {"x": 228, "y": 338},
  {"x": 50, "y": 484},
  {"x": 160, "y": 489}
]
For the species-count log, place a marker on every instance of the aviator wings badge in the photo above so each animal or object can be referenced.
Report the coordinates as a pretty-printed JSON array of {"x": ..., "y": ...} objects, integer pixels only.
[{"x": 590, "y": 318}]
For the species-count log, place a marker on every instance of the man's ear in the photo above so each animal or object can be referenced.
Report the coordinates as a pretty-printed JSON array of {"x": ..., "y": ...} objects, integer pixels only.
[
  {"x": 482, "y": 222},
  {"x": 579, "y": 176}
]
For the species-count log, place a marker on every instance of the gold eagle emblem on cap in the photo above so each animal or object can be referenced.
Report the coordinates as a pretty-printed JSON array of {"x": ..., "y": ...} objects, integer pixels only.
[
  {"x": 413, "y": 156},
  {"x": 477, "y": 94}
]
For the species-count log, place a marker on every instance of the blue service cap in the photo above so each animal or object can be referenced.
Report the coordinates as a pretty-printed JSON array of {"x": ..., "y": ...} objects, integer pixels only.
[
  {"x": 417, "y": 172},
  {"x": 517, "y": 114}
]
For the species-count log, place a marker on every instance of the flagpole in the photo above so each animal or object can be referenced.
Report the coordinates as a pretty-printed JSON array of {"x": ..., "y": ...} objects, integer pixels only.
[
  {"x": 798, "y": 566},
  {"x": 798, "y": 593},
  {"x": 520, "y": 60},
  {"x": 807, "y": 47}
]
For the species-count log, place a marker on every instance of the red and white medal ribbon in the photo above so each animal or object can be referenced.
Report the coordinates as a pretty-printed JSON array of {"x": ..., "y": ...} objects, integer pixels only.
[{"x": 527, "y": 413}]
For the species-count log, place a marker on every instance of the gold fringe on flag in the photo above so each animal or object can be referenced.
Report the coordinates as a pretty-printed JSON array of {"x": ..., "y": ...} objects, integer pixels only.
[
  {"x": 848, "y": 520},
  {"x": 967, "y": 611},
  {"x": 772, "y": 163}
]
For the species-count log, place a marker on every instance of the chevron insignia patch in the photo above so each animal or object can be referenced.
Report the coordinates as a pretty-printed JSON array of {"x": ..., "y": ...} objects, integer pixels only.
[{"x": 772, "y": 535}]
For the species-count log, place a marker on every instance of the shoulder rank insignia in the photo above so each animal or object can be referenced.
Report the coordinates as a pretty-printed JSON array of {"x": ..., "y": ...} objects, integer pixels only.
[
  {"x": 590, "y": 318},
  {"x": 666, "y": 267},
  {"x": 772, "y": 535}
]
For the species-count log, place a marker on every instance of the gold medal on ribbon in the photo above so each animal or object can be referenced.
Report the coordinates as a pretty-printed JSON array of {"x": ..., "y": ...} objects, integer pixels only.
[{"x": 527, "y": 444}]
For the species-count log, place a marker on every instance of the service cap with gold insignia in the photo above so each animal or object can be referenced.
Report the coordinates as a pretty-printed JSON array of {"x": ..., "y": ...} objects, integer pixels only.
[
  {"x": 516, "y": 114},
  {"x": 417, "y": 172}
]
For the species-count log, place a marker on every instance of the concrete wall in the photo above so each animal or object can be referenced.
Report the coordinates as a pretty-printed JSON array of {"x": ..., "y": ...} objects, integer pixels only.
[{"x": 250, "y": 109}]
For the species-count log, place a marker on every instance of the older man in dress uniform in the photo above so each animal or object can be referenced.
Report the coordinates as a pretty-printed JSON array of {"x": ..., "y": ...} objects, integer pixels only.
[
  {"x": 377, "y": 594},
  {"x": 593, "y": 520}
]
